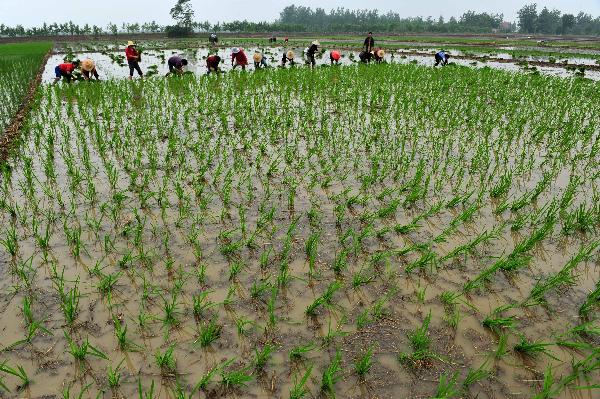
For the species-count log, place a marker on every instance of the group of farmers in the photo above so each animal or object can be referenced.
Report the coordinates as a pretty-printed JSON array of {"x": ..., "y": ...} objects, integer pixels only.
[{"x": 177, "y": 63}]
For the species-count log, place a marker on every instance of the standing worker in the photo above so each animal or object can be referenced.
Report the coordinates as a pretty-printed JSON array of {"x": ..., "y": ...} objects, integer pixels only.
[
  {"x": 310, "y": 53},
  {"x": 238, "y": 57},
  {"x": 212, "y": 64},
  {"x": 176, "y": 64},
  {"x": 65, "y": 71},
  {"x": 88, "y": 69},
  {"x": 260, "y": 61},
  {"x": 133, "y": 59},
  {"x": 335, "y": 56},
  {"x": 369, "y": 43},
  {"x": 441, "y": 57},
  {"x": 288, "y": 57}
]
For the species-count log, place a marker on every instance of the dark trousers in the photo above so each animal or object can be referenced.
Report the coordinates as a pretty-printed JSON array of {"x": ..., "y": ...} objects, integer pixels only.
[
  {"x": 311, "y": 60},
  {"x": 134, "y": 66},
  {"x": 89, "y": 74},
  {"x": 439, "y": 60}
]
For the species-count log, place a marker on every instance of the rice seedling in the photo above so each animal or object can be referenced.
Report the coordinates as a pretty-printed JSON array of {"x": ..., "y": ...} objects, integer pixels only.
[
  {"x": 235, "y": 378},
  {"x": 324, "y": 299},
  {"x": 208, "y": 333},
  {"x": 496, "y": 323},
  {"x": 299, "y": 390},
  {"x": 331, "y": 374},
  {"x": 166, "y": 361},
  {"x": 532, "y": 349},
  {"x": 261, "y": 357},
  {"x": 18, "y": 372},
  {"x": 448, "y": 387},
  {"x": 81, "y": 352},
  {"x": 364, "y": 363},
  {"x": 300, "y": 351}
]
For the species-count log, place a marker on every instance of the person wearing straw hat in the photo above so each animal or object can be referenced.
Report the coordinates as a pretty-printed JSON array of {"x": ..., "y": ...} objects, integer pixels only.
[
  {"x": 378, "y": 55},
  {"x": 335, "y": 56},
  {"x": 212, "y": 64},
  {"x": 176, "y": 64},
  {"x": 310, "y": 53},
  {"x": 441, "y": 57},
  {"x": 260, "y": 61},
  {"x": 288, "y": 57},
  {"x": 65, "y": 71},
  {"x": 238, "y": 58},
  {"x": 88, "y": 69},
  {"x": 133, "y": 59}
]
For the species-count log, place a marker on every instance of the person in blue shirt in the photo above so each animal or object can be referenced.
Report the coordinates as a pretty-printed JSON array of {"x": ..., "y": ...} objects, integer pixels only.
[{"x": 442, "y": 58}]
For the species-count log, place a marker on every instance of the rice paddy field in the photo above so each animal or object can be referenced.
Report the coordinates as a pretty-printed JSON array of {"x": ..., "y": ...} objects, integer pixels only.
[{"x": 361, "y": 231}]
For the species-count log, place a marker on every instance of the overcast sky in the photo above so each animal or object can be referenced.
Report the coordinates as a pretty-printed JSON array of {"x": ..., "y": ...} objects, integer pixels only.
[{"x": 101, "y": 12}]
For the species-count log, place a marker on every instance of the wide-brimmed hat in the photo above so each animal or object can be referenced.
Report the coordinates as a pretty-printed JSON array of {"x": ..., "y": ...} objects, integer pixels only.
[
  {"x": 316, "y": 43},
  {"x": 235, "y": 50},
  {"x": 290, "y": 55},
  {"x": 87, "y": 65},
  {"x": 335, "y": 55},
  {"x": 130, "y": 43},
  {"x": 380, "y": 53},
  {"x": 257, "y": 57}
]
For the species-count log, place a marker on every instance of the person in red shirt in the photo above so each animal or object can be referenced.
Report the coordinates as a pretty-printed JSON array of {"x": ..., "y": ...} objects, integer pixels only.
[
  {"x": 212, "y": 63},
  {"x": 238, "y": 57},
  {"x": 65, "y": 71},
  {"x": 133, "y": 59}
]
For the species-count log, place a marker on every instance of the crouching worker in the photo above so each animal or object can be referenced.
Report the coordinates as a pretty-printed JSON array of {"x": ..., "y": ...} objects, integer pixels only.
[
  {"x": 88, "y": 69},
  {"x": 65, "y": 71},
  {"x": 238, "y": 58},
  {"x": 442, "y": 58},
  {"x": 365, "y": 56},
  {"x": 176, "y": 64},
  {"x": 378, "y": 56},
  {"x": 335, "y": 57},
  {"x": 260, "y": 61},
  {"x": 310, "y": 53},
  {"x": 212, "y": 64},
  {"x": 288, "y": 57}
]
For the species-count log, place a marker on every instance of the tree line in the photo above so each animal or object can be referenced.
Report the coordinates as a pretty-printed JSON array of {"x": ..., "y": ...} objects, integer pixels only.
[{"x": 305, "y": 19}]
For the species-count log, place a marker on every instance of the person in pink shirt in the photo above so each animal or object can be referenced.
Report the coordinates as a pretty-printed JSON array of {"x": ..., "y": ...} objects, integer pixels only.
[{"x": 238, "y": 58}]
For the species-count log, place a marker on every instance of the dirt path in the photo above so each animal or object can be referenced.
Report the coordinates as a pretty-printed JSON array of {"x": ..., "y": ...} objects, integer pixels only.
[{"x": 13, "y": 129}]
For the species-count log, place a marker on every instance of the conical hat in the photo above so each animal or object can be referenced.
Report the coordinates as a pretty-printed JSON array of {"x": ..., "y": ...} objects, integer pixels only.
[
  {"x": 335, "y": 55},
  {"x": 87, "y": 65},
  {"x": 130, "y": 43},
  {"x": 380, "y": 53},
  {"x": 290, "y": 54},
  {"x": 257, "y": 57}
]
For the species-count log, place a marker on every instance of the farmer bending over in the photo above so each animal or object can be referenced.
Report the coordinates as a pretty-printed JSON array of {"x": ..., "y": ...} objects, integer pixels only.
[
  {"x": 238, "y": 58},
  {"x": 133, "y": 59},
  {"x": 65, "y": 71},
  {"x": 442, "y": 58},
  {"x": 288, "y": 57},
  {"x": 378, "y": 56},
  {"x": 310, "y": 53},
  {"x": 88, "y": 69},
  {"x": 212, "y": 64},
  {"x": 176, "y": 64},
  {"x": 260, "y": 61},
  {"x": 365, "y": 56},
  {"x": 335, "y": 56}
]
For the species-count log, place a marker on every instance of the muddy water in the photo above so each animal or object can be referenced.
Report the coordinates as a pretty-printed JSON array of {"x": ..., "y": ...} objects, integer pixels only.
[
  {"x": 109, "y": 69},
  {"x": 329, "y": 147}
]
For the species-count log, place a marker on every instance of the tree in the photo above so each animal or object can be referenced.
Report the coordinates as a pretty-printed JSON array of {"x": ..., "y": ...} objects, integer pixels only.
[
  {"x": 113, "y": 28},
  {"x": 183, "y": 13},
  {"x": 567, "y": 22},
  {"x": 528, "y": 18},
  {"x": 548, "y": 21}
]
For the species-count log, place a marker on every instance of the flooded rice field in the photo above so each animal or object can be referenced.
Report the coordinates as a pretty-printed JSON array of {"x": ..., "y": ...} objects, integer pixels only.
[
  {"x": 383, "y": 231},
  {"x": 155, "y": 61}
]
